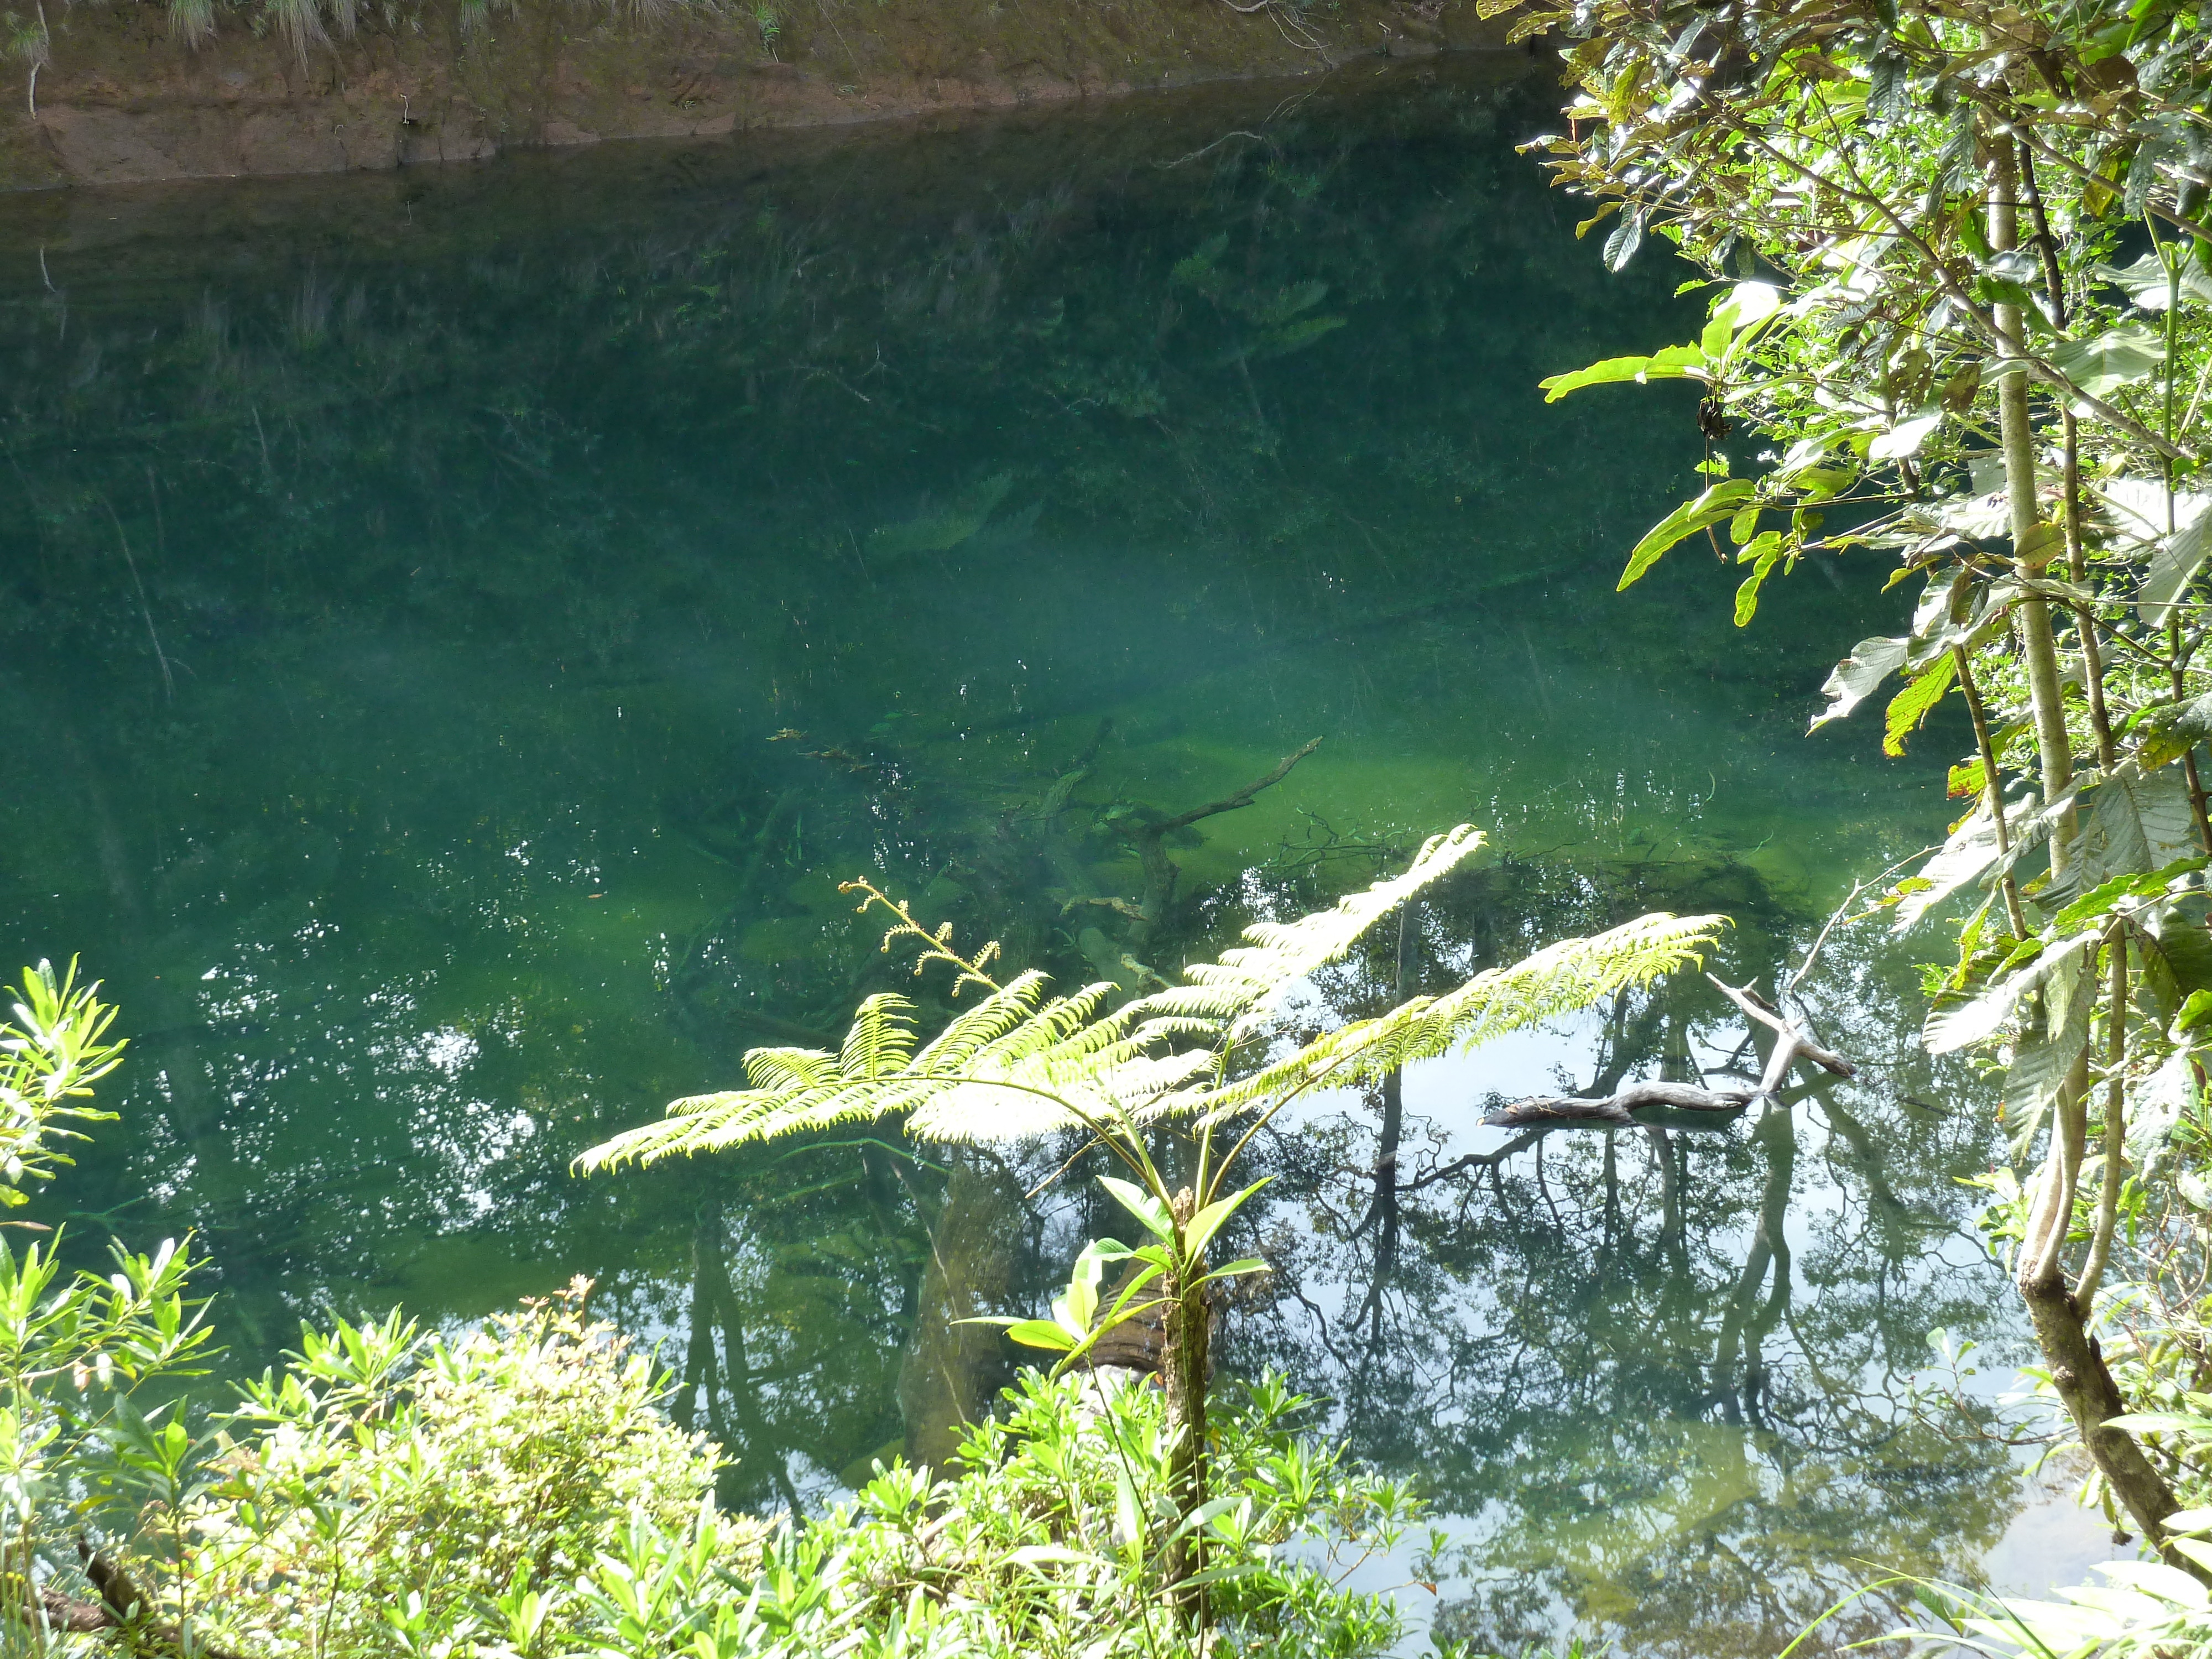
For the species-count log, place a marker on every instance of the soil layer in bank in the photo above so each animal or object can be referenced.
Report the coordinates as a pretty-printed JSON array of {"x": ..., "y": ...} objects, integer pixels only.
[{"x": 122, "y": 99}]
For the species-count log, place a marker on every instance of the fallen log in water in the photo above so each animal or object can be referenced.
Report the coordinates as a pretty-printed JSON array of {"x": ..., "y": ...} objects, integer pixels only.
[
  {"x": 1790, "y": 1045},
  {"x": 1617, "y": 1108}
]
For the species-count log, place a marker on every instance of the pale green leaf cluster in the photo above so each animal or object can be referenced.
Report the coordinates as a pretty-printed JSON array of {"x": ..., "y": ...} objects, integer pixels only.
[{"x": 397, "y": 1493}]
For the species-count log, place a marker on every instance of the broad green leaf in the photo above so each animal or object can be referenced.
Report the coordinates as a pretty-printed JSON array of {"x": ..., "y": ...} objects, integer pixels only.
[
  {"x": 1128, "y": 1514},
  {"x": 1748, "y": 304},
  {"x": 1852, "y": 681},
  {"x": 2136, "y": 824},
  {"x": 1821, "y": 483},
  {"x": 1208, "y": 1221},
  {"x": 2167, "y": 1583},
  {"x": 2198, "y": 1428},
  {"x": 1903, "y": 441},
  {"x": 1981, "y": 1017},
  {"x": 1204, "y": 1512},
  {"x": 1671, "y": 363},
  {"x": 2042, "y": 1058},
  {"x": 1909, "y": 708},
  {"x": 2179, "y": 559},
  {"x": 1040, "y": 1334},
  {"x": 1720, "y": 501},
  {"x": 1764, "y": 552},
  {"x": 2117, "y": 357},
  {"x": 1074, "y": 1310},
  {"x": 2149, "y": 286},
  {"x": 2163, "y": 735},
  {"x": 1237, "y": 1269},
  {"x": 1142, "y": 1206},
  {"x": 1627, "y": 236}
]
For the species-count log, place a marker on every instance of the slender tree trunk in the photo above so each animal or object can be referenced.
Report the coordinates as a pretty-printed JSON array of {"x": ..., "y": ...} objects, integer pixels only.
[
  {"x": 2033, "y": 545},
  {"x": 2077, "y": 1365}
]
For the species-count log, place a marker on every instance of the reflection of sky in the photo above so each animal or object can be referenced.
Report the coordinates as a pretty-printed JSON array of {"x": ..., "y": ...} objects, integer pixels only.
[{"x": 2050, "y": 1541}]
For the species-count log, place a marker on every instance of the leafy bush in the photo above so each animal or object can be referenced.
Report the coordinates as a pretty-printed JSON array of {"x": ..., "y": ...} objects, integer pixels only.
[
  {"x": 1051, "y": 1540},
  {"x": 517, "y": 1493},
  {"x": 395, "y": 1494}
]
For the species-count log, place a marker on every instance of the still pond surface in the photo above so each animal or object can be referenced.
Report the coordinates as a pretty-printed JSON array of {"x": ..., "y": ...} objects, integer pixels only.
[{"x": 459, "y": 628}]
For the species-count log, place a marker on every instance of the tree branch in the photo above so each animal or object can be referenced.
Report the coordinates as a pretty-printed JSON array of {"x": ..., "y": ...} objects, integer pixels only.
[
  {"x": 1790, "y": 1044},
  {"x": 1231, "y": 803},
  {"x": 1618, "y": 1108}
]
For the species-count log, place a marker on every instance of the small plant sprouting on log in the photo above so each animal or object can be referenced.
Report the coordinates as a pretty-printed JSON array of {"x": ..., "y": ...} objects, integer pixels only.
[{"x": 1025, "y": 1062}]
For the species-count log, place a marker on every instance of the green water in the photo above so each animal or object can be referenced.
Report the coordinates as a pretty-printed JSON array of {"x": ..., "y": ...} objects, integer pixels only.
[{"x": 459, "y": 627}]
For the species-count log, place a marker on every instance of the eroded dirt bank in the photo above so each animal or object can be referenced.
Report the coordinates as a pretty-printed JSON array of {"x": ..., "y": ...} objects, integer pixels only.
[{"x": 121, "y": 101}]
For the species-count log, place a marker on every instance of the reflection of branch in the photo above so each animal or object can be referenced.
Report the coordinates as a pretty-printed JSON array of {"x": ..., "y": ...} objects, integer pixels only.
[
  {"x": 1150, "y": 839},
  {"x": 1520, "y": 1143},
  {"x": 1241, "y": 797}
]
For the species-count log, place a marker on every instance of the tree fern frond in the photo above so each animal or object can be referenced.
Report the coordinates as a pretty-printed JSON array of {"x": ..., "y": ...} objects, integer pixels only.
[
  {"x": 1215, "y": 1004},
  {"x": 1048, "y": 1029},
  {"x": 1259, "y": 975},
  {"x": 1000, "y": 1013},
  {"x": 881, "y": 1040},
  {"x": 1560, "y": 979},
  {"x": 772, "y": 1069},
  {"x": 712, "y": 1122},
  {"x": 1340, "y": 1056},
  {"x": 1023, "y": 1063},
  {"x": 983, "y": 1111}
]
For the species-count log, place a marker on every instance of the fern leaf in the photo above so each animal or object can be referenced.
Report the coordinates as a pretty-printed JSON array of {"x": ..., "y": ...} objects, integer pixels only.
[
  {"x": 1560, "y": 979},
  {"x": 881, "y": 1040},
  {"x": 1258, "y": 976},
  {"x": 990, "y": 1020}
]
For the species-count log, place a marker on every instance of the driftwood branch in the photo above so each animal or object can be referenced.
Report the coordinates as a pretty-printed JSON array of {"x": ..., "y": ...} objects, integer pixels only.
[
  {"x": 1758, "y": 1007},
  {"x": 122, "y": 1612},
  {"x": 1790, "y": 1044},
  {"x": 1618, "y": 1108}
]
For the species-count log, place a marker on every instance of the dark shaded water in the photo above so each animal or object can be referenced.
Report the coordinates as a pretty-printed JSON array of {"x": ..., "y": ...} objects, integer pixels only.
[{"x": 459, "y": 627}]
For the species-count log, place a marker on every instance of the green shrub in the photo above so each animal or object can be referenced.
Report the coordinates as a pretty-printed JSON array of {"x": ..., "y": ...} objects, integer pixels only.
[
  {"x": 517, "y": 1494},
  {"x": 1049, "y": 1540},
  {"x": 393, "y": 1494}
]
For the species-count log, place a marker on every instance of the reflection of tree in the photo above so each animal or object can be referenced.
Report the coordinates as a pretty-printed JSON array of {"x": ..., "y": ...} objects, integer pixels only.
[
  {"x": 953, "y": 1372},
  {"x": 1668, "y": 1392}
]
